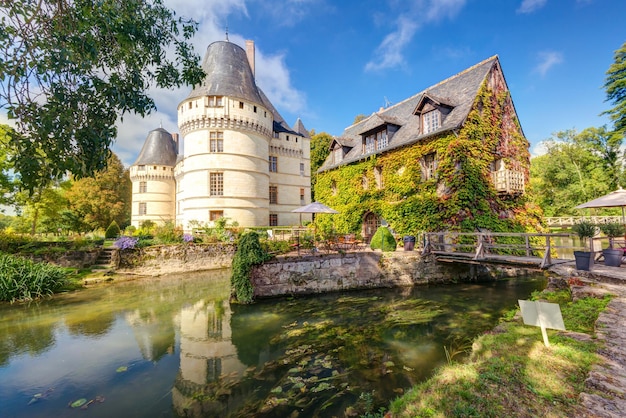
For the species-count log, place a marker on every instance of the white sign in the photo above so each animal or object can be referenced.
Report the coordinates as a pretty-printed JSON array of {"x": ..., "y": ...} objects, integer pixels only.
[{"x": 542, "y": 314}]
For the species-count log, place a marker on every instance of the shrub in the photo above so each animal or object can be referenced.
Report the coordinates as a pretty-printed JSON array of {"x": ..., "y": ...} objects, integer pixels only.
[
  {"x": 112, "y": 231},
  {"x": 383, "y": 240},
  {"x": 168, "y": 233},
  {"x": 22, "y": 279}
]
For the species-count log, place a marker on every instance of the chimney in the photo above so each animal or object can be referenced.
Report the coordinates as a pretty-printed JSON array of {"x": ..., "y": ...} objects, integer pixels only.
[{"x": 250, "y": 54}]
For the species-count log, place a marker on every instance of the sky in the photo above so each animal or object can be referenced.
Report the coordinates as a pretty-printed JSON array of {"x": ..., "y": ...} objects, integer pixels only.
[{"x": 326, "y": 61}]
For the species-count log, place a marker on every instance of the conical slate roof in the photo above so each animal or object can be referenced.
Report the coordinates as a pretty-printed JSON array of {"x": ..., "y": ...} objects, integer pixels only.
[
  {"x": 228, "y": 74},
  {"x": 158, "y": 149}
]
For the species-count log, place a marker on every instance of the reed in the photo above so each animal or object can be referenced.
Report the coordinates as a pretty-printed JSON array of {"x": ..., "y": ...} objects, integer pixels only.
[{"x": 22, "y": 279}]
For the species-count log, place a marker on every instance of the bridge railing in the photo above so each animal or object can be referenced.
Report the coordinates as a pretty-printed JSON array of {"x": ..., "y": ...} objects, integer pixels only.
[
  {"x": 566, "y": 221},
  {"x": 481, "y": 244}
]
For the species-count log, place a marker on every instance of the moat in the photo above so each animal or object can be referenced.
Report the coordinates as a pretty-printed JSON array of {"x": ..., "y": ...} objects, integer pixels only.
[{"x": 174, "y": 346}]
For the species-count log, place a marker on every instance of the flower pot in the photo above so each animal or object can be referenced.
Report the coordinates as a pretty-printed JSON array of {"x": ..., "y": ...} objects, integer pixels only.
[
  {"x": 613, "y": 257},
  {"x": 584, "y": 260}
]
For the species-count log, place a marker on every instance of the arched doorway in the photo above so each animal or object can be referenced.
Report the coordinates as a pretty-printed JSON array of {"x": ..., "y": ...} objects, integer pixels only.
[{"x": 371, "y": 222}]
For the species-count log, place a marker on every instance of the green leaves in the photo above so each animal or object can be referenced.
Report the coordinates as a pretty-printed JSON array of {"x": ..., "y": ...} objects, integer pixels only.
[
  {"x": 615, "y": 86},
  {"x": 70, "y": 69}
]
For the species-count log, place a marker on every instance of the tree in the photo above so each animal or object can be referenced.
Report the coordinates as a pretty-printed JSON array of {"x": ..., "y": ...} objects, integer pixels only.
[
  {"x": 606, "y": 145},
  {"x": 615, "y": 86},
  {"x": 7, "y": 179},
  {"x": 320, "y": 147},
  {"x": 104, "y": 198},
  {"x": 69, "y": 68},
  {"x": 358, "y": 118},
  {"x": 572, "y": 171}
]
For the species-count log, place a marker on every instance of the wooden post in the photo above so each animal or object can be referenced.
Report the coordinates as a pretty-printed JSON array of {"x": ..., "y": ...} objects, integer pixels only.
[
  {"x": 526, "y": 239},
  {"x": 547, "y": 258}
]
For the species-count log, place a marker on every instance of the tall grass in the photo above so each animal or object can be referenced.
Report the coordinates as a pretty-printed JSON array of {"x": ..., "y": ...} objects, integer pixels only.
[{"x": 22, "y": 279}]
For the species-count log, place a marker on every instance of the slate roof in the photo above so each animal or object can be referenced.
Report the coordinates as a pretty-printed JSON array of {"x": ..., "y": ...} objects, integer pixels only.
[
  {"x": 228, "y": 74},
  {"x": 459, "y": 91},
  {"x": 158, "y": 149}
]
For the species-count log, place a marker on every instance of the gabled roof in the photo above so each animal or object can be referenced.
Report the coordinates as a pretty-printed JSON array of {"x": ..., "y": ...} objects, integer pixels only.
[
  {"x": 458, "y": 92},
  {"x": 429, "y": 97},
  {"x": 158, "y": 149}
]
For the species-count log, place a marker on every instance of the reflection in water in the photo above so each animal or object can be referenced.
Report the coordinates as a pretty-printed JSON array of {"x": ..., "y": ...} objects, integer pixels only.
[{"x": 174, "y": 346}]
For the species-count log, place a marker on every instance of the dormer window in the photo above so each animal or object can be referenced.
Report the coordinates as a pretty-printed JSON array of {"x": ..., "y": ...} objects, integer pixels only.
[
  {"x": 431, "y": 121},
  {"x": 338, "y": 154},
  {"x": 215, "y": 101},
  {"x": 375, "y": 141}
]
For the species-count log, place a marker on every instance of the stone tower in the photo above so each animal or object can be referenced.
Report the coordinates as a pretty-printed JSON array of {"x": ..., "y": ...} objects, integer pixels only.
[{"x": 152, "y": 177}]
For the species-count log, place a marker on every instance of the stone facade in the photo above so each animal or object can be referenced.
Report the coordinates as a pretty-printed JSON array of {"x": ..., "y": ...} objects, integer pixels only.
[
  {"x": 364, "y": 270},
  {"x": 237, "y": 157}
]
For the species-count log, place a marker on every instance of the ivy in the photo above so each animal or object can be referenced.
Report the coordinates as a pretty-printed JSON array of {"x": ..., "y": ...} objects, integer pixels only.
[
  {"x": 249, "y": 253},
  {"x": 460, "y": 196}
]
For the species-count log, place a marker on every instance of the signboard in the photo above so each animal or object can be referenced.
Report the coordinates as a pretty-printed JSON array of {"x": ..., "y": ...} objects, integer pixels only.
[{"x": 542, "y": 314}]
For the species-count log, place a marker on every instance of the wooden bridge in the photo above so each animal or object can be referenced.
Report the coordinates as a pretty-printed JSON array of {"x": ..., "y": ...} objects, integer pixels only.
[
  {"x": 568, "y": 221},
  {"x": 521, "y": 249}
]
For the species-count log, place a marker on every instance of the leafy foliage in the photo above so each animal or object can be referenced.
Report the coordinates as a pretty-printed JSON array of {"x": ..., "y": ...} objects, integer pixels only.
[
  {"x": 112, "y": 231},
  {"x": 249, "y": 253},
  {"x": 577, "y": 167},
  {"x": 383, "y": 240},
  {"x": 22, "y": 279},
  {"x": 615, "y": 86},
  {"x": 103, "y": 198},
  {"x": 71, "y": 68},
  {"x": 320, "y": 148},
  {"x": 458, "y": 196}
]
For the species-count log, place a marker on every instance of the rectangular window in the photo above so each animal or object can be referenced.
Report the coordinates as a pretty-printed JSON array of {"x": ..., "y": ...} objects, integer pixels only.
[
  {"x": 240, "y": 105},
  {"x": 287, "y": 137},
  {"x": 254, "y": 109},
  {"x": 338, "y": 155},
  {"x": 369, "y": 144},
  {"x": 214, "y": 215},
  {"x": 381, "y": 140},
  {"x": 143, "y": 208},
  {"x": 143, "y": 186},
  {"x": 216, "y": 141},
  {"x": 215, "y": 101},
  {"x": 273, "y": 219},
  {"x": 302, "y": 196},
  {"x": 216, "y": 184},
  {"x": 429, "y": 166},
  {"x": 141, "y": 167},
  {"x": 430, "y": 121},
  {"x": 302, "y": 169},
  {"x": 273, "y": 195},
  {"x": 273, "y": 164}
]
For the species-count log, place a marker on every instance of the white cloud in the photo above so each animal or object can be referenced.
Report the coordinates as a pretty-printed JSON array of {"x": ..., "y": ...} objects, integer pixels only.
[
  {"x": 547, "y": 60},
  {"x": 389, "y": 53},
  {"x": 529, "y": 6},
  {"x": 272, "y": 74}
]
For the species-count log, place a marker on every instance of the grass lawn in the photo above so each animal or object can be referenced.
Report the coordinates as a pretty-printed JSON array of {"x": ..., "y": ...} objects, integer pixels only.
[{"x": 512, "y": 373}]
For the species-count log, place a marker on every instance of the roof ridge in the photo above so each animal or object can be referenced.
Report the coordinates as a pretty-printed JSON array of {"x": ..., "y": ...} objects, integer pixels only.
[{"x": 473, "y": 67}]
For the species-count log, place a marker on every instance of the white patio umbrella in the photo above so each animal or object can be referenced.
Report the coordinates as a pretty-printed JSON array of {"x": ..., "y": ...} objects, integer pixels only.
[
  {"x": 611, "y": 200},
  {"x": 315, "y": 207}
]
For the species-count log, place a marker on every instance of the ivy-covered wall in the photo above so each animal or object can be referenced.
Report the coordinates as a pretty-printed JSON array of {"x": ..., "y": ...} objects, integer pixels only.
[{"x": 459, "y": 196}]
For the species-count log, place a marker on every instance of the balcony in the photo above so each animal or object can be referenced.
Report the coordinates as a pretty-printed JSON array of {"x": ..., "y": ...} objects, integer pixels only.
[{"x": 508, "y": 181}]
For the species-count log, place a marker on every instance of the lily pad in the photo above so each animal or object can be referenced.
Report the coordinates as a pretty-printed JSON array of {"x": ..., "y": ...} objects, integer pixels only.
[
  {"x": 121, "y": 369},
  {"x": 78, "y": 403}
]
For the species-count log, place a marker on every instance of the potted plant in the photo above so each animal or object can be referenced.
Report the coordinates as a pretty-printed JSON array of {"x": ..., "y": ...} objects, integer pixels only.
[
  {"x": 612, "y": 256},
  {"x": 585, "y": 231}
]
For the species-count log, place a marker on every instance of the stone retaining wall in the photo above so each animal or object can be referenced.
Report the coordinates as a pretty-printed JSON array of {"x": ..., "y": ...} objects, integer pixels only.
[
  {"x": 165, "y": 259},
  {"x": 363, "y": 270}
]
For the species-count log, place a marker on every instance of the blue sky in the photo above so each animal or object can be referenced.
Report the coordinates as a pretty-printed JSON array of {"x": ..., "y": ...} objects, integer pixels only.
[{"x": 327, "y": 61}]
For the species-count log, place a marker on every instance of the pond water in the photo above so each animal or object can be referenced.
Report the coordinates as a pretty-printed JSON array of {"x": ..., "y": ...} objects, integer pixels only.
[{"x": 174, "y": 346}]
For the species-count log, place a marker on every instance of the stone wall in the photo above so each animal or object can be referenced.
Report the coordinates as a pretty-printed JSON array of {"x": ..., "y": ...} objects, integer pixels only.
[
  {"x": 70, "y": 258},
  {"x": 165, "y": 259},
  {"x": 363, "y": 270}
]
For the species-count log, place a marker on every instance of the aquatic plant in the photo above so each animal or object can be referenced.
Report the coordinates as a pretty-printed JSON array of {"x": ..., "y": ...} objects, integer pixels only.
[
  {"x": 249, "y": 253},
  {"x": 22, "y": 279}
]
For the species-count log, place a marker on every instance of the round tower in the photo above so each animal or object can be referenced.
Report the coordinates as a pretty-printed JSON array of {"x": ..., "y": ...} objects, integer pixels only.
[
  {"x": 226, "y": 129},
  {"x": 152, "y": 177}
]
